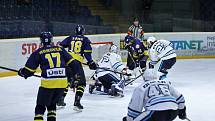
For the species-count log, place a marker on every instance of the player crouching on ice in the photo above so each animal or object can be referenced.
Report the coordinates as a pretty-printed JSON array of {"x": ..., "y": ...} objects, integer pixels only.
[
  {"x": 155, "y": 100},
  {"x": 161, "y": 50},
  {"x": 106, "y": 74}
]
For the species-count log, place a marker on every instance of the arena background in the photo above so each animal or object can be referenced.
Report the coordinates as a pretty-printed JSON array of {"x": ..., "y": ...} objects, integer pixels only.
[{"x": 188, "y": 24}]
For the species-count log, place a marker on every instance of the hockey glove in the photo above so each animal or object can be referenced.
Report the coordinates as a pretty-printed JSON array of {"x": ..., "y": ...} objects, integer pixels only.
[
  {"x": 124, "y": 118},
  {"x": 125, "y": 72},
  {"x": 20, "y": 73},
  {"x": 182, "y": 113},
  {"x": 151, "y": 66},
  {"x": 152, "y": 63},
  {"x": 92, "y": 65}
]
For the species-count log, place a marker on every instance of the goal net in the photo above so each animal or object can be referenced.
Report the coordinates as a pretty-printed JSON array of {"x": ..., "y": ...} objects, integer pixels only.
[{"x": 99, "y": 49}]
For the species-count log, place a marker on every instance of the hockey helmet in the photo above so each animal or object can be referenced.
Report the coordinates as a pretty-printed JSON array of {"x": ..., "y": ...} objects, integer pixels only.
[
  {"x": 151, "y": 40},
  {"x": 114, "y": 49},
  {"x": 79, "y": 30},
  {"x": 129, "y": 38},
  {"x": 46, "y": 38},
  {"x": 150, "y": 74}
]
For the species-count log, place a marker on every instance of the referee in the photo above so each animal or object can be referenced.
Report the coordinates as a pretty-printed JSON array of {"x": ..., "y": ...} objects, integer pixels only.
[{"x": 136, "y": 30}]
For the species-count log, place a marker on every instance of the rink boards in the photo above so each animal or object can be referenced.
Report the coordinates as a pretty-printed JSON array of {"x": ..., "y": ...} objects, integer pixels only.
[{"x": 188, "y": 45}]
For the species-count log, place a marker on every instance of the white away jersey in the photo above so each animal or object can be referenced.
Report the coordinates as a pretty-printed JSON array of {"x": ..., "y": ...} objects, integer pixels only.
[
  {"x": 161, "y": 49},
  {"x": 155, "y": 95},
  {"x": 110, "y": 61}
]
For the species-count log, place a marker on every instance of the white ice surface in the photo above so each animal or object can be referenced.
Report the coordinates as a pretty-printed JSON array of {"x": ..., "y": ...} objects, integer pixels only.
[{"x": 194, "y": 78}]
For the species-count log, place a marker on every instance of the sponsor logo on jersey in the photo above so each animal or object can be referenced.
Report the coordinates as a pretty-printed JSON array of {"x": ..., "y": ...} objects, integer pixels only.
[{"x": 56, "y": 72}]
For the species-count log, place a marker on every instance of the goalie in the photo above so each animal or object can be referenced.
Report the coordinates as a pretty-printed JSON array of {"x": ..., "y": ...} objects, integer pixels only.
[{"x": 106, "y": 74}]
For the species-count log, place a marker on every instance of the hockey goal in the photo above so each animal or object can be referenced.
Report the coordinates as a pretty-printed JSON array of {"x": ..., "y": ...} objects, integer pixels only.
[{"x": 99, "y": 49}]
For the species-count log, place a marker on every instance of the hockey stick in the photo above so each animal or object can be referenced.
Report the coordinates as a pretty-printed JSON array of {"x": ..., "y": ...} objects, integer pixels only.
[
  {"x": 187, "y": 119},
  {"x": 85, "y": 64},
  {"x": 14, "y": 70},
  {"x": 135, "y": 66},
  {"x": 107, "y": 69},
  {"x": 132, "y": 80},
  {"x": 135, "y": 63}
]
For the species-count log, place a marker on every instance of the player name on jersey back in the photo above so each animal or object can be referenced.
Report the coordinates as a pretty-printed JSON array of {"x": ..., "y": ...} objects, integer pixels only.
[
  {"x": 147, "y": 84},
  {"x": 56, "y": 72}
]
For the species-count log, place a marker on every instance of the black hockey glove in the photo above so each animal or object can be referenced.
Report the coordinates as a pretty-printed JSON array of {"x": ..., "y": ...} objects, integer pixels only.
[
  {"x": 20, "y": 73},
  {"x": 124, "y": 118},
  {"x": 92, "y": 65},
  {"x": 182, "y": 113}
]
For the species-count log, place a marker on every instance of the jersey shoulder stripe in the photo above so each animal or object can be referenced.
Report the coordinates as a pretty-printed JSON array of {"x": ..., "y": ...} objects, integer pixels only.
[
  {"x": 180, "y": 99},
  {"x": 160, "y": 100}
]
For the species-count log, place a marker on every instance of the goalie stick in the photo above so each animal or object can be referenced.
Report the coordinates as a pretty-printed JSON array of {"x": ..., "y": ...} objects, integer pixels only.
[
  {"x": 107, "y": 69},
  {"x": 14, "y": 70}
]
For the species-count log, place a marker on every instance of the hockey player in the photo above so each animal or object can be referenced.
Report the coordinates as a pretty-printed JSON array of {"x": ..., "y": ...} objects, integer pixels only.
[
  {"x": 109, "y": 63},
  {"x": 137, "y": 53},
  {"x": 161, "y": 50},
  {"x": 155, "y": 100},
  {"x": 52, "y": 61},
  {"x": 79, "y": 47}
]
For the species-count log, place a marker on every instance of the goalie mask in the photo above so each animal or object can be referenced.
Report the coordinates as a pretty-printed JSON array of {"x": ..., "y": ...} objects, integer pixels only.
[{"x": 114, "y": 49}]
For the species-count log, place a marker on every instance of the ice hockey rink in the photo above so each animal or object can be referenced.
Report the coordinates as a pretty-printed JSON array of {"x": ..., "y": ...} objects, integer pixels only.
[{"x": 194, "y": 78}]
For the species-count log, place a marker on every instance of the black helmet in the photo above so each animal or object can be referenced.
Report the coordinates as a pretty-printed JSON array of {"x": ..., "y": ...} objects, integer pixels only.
[
  {"x": 129, "y": 38},
  {"x": 46, "y": 38},
  {"x": 79, "y": 30}
]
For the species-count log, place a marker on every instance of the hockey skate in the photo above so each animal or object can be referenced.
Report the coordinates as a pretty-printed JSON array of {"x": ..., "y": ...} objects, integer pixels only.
[{"x": 77, "y": 105}]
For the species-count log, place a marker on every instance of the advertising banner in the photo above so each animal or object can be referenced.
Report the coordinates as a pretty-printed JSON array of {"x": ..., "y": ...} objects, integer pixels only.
[{"x": 14, "y": 52}]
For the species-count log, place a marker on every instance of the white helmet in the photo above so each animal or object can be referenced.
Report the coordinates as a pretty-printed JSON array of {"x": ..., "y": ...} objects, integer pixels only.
[
  {"x": 114, "y": 49},
  {"x": 151, "y": 39},
  {"x": 150, "y": 74}
]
